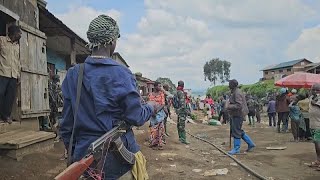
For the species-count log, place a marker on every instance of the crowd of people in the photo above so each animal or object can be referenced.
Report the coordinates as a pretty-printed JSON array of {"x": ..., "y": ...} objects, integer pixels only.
[
  {"x": 106, "y": 99},
  {"x": 303, "y": 112}
]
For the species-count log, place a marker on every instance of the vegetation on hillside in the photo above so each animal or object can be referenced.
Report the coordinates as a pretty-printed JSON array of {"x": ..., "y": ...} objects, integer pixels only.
[
  {"x": 260, "y": 89},
  {"x": 163, "y": 81}
]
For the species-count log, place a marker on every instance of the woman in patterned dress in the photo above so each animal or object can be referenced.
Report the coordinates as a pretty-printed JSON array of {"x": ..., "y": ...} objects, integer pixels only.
[{"x": 157, "y": 130}]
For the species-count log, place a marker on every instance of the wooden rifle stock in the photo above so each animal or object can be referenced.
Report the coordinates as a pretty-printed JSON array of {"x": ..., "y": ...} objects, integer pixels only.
[{"x": 76, "y": 169}]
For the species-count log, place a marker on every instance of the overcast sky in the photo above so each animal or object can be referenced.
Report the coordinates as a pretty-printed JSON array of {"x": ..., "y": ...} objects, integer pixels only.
[{"x": 174, "y": 38}]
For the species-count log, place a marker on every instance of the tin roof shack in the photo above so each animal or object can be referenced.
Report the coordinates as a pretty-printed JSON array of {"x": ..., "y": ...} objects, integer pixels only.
[
  {"x": 144, "y": 85},
  {"x": 32, "y": 102},
  {"x": 64, "y": 47}
]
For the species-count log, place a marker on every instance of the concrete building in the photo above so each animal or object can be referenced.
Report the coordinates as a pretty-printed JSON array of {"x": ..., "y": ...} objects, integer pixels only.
[{"x": 284, "y": 69}]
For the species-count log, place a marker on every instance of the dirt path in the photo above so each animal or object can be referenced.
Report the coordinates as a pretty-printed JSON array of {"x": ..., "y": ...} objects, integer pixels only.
[{"x": 177, "y": 161}]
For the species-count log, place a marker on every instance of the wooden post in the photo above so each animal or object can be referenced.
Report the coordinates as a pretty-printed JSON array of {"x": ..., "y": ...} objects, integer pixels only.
[{"x": 73, "y": 51}]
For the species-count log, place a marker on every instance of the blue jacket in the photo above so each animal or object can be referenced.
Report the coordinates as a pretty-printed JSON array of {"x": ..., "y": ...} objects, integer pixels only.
[
  {"x": 271, "y": 106},
  {"x": 108, "y": 95}
]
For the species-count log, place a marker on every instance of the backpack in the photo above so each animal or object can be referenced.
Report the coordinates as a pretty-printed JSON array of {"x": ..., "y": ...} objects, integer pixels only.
[{"x": 175, "y": 101}]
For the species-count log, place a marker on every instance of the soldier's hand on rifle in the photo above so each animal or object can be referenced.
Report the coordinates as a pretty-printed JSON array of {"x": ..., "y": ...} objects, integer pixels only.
[{"x": 155, "y": 106}]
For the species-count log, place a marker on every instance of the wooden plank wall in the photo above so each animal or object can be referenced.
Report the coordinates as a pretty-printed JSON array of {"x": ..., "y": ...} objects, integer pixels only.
[{"x": 25, "y": 9}]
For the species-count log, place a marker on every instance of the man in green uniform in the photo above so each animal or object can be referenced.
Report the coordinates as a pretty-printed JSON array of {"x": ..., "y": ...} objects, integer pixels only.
[{"x": 181, "y": 112}]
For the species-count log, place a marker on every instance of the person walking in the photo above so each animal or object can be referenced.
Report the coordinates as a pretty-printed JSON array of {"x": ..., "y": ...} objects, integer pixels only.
[
  {"x": 272, "y": 112},
  {"x": 238, "y": 109},
  {"x": 182, "y": 113},
  {"x": 303, "y": 103},
  {"x": 259, "y": 109},
  {"x": 157, "y": 128},
  {"x": 297, "y": 120},
  {"x": 252, "y": 110},
  {"x": 168, "y": 96},
  {"x": 314, "y": 115},
  {"x": 282, "y": 107}
]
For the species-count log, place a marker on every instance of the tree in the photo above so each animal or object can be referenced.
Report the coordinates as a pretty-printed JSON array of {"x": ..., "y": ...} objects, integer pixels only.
[
  {"x": 215, "y": 69},
  {"x": 172, "y": 87}
]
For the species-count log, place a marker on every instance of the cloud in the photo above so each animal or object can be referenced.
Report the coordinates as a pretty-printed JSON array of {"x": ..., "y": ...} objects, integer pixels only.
[
  {"x": 307, "y": 45},
  {"x": 243, "y": 13},
  {"x": 78, "y": 18},
  {"x": 174, "y": 38}
]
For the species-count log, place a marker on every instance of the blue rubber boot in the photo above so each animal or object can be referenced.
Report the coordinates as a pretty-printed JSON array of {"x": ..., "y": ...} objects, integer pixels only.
[
  {"x": 236, "y": 146},
  {"x": 250, "y": 143}
]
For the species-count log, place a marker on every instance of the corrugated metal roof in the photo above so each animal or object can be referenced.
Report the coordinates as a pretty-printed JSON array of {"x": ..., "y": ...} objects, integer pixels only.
[{"x": 285, "y": 64}]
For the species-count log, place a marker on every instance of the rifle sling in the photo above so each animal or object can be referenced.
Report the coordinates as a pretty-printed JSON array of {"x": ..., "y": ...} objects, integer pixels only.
[{"x": 79, "y": 85}]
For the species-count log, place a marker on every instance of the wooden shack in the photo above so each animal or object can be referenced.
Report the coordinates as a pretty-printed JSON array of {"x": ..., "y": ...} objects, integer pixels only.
[
  {"x": 145, "y": 85},
  {"x": 42, "y": 32}
]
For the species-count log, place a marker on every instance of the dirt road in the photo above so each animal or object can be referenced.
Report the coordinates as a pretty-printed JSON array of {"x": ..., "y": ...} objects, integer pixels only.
[{"x": 178, "y": 161}]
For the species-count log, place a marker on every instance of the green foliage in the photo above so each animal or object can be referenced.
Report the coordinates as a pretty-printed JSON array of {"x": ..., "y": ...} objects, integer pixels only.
[
  {"x": 163, "y": 81},
  {"x": 218, "y": 91},
  {"x": 215, "y": 69},
  {"x": 194, "y": 117},
  {"x": 260, "y": 89}
]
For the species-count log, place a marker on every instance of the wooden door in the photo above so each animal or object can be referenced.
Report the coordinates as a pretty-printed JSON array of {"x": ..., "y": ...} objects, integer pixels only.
[{"x": 34, "y": 76}]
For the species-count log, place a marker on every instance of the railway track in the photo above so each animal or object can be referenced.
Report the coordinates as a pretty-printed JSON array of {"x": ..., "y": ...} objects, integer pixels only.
[{"x": 248, "y": 169}]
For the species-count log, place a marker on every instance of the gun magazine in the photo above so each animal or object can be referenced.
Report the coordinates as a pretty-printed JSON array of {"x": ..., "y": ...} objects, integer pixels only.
[{"x": 123, "y": 152}]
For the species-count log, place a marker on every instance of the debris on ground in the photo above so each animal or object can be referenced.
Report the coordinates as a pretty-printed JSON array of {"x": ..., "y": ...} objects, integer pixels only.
[
  {"x": 202, "y": 135},
  {"x": 233, "y": 164},
  {"x": 170, "y": 159},
  {"x": 196, "y": 170},
  {"x": 276, "y": 148},
  {"x": 215, "y": 152},
  {"x": 205, "y": 153},
  {"x": 204, "y": 122},
  {"x": 173, "y": 165},
  {"x": 215, "y": 172},
  {"x": 168, "y": 154}
]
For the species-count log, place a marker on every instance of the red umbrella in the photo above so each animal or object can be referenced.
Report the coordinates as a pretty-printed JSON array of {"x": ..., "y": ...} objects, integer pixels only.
[{"x": 299, "y": 80}]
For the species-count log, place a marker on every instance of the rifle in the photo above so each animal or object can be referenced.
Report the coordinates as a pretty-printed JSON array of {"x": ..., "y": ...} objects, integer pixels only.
[{"x": 97, "y": 150}]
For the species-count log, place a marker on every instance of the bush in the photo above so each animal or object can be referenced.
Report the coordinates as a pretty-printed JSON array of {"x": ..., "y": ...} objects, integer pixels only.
[
  {"x": 260, "y": 89},
  {"x": 194, "y": 117},
  {"x": 218, "y": 91}
]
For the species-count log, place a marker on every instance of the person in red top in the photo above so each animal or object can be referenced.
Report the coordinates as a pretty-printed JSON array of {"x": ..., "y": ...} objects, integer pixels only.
[
  {"x": 157, "y": 129},
  {"x": 210, "y": 101}
]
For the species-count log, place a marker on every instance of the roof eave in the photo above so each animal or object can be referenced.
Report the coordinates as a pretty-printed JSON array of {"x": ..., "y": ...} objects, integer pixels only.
[{"x": 59, "y": 22}]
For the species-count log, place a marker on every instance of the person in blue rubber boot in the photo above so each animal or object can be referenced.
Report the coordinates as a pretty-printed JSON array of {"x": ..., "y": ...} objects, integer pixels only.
[{"x": 238, "y": 109}]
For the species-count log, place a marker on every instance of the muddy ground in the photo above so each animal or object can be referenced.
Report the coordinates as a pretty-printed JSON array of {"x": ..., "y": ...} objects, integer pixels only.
[{"x": 178, "y": 161}]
